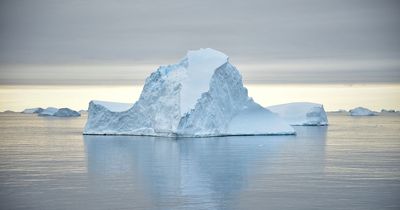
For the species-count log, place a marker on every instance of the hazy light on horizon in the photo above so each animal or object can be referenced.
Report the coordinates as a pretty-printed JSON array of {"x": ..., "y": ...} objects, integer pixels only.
[{"x": 333, "y": 97}]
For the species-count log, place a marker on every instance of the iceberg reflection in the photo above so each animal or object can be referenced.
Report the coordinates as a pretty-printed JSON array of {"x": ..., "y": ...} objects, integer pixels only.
[{"x": 186, "y": 172}]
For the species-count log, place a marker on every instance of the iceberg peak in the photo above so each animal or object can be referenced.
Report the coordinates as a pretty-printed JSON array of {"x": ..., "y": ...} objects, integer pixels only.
[
  {"x": 206, "y": 57},
  {"x": 200, "y": 68}
]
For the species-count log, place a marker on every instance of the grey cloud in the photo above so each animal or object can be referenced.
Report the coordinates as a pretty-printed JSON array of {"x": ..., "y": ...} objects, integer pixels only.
[{"x": 158, "y": 32}]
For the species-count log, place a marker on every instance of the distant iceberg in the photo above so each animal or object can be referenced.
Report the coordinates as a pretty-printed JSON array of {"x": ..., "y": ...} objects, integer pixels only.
[
  {"x": 49, "y": 111},
  {"x": 52, "y": 111},
  {"x": 388, "y": 111},
  {"x": 66, "y": 112},
  {"x": 338, "y": 111},
  {"x": 32, "y": 110},
  {"x": 301, "y": 113},
  {"x": 202, "y": 95},
  {"x": 361, "y": 111}
]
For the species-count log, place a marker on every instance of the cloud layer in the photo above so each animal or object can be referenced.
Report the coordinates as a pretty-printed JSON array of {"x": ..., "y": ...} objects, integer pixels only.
[{"x": 258, "y": 32}]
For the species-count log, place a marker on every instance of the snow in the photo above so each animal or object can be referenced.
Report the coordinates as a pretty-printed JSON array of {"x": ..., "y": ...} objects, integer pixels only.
[
  {"x": 301, "y": 113},
  {"x": 361, "y": 111},
  {"x": 201, "y": 66},
  {"x": 32, "y": 110},
  {"x": 202, "y": 95},
  {"x": 114, "y": 106},
  {"x": 49, "y": 111},
  {"x": 256, "y": 119}
]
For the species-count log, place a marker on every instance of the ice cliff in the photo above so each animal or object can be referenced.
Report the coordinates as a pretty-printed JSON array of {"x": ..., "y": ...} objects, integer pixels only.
[
  {"x": 301, "y": 113},
  {"x": 202, "y": 95}
]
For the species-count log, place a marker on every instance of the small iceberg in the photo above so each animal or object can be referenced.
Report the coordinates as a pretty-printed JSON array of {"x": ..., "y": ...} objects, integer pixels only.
[
  {"x": 340, "y": 111},
  {"x": 301, "y": 113},
  {"x": 66, "y": 112},
  {"x": 388, "y": 111},
  {"x": 49, "y": 111},
  {"x": 361, "y": 111},
  {"x": 33, "y": 110},
  {"x": 82, "y": 111},
  {"x": 52, "y": 111}
]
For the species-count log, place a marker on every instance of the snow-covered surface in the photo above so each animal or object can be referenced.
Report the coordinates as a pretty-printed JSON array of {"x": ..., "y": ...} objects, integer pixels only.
[
  {"x": 255, "y": 118},
  {"x": 202, "y": 95},
  {"x": 32, "y": 110},
  {"x": 200, "y": 68},
  {"x": 301, "y": 113},
  {"x": 49, "y": 111},
  {"x": 361, "y": 111},
  {"x": 114, "y": 106}
]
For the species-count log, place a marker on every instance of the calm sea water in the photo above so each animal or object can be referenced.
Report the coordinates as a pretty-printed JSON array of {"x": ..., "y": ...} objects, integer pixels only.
[{"x": 45, "y": 163}]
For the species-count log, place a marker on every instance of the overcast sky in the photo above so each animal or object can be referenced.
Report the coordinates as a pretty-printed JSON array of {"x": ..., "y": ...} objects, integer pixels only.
[{"x": 306, "y": 41}]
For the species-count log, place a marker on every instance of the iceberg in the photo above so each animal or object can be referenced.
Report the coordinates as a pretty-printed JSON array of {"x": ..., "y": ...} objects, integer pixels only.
[
  {"x": 66, "y": 112},
  {"x": 49, "y": 111},
  {"x": 82, "y": 111},
  {"x": 361, "y": 111},
  {"x": 32, "y": 110},
  {"x": 340, "y": 111},
  {"x": 202, "y": 95},
  {"x": 388, "y": 111},
  {"x": 52, "y": 111},
  {"x": 301, "y": 113}
]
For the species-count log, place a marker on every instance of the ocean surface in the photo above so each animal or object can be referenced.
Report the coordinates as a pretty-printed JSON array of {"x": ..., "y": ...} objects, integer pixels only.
[{"x": 46, "y": 163}]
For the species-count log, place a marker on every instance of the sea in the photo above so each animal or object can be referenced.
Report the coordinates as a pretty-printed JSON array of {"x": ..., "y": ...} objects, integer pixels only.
[{"x": 46, "y": 163}]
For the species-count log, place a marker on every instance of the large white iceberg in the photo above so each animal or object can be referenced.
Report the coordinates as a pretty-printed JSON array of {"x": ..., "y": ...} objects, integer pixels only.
[
  {"x": 361, "y": 111},
  {"x": 301, "y": 113},
  {"x": 202, "y": 95}
]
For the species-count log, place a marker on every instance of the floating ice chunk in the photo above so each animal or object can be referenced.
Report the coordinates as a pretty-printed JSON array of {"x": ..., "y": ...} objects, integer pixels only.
[
  {"x": 49, "y": 111},
  {"x": 66, "y": 112},
  {"x": 361, "y": 111},
  {"x": 301, "y": 113}
]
